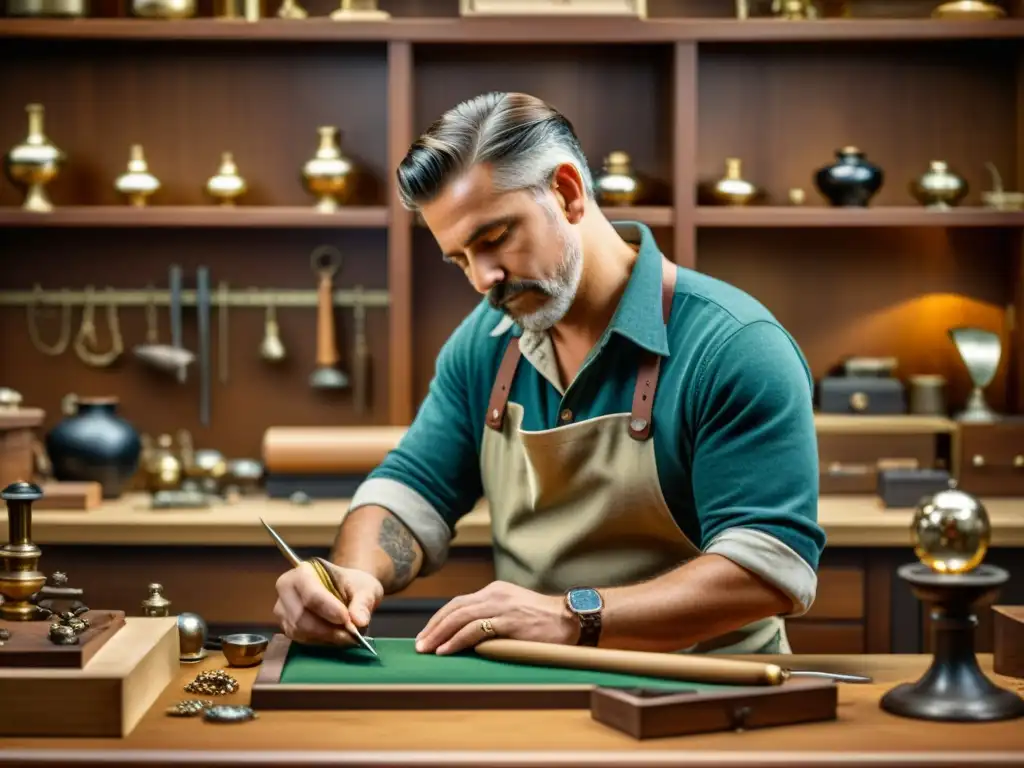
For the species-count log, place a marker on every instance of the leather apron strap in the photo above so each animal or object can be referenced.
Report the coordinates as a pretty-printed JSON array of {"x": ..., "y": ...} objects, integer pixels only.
[{"x": 646, "y": 380}]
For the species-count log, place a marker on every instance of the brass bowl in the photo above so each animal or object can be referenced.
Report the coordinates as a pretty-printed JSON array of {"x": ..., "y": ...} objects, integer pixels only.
[{"x": 243, "y": 650}]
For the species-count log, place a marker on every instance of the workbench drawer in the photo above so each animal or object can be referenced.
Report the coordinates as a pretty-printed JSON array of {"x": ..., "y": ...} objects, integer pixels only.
[{"x": 992, "y": 458}]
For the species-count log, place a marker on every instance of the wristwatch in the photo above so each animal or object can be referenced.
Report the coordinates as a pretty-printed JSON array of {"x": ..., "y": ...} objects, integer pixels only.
[{"x": 587, "y": 604}]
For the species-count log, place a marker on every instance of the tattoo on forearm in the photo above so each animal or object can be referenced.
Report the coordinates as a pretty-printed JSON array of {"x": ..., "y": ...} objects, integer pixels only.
[{"x": 400, "y": 546}]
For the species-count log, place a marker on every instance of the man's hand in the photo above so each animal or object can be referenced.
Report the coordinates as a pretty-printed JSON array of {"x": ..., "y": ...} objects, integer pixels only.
[
  {"x": 309, "y": 613},
  {"x": 513, "y": 611}
]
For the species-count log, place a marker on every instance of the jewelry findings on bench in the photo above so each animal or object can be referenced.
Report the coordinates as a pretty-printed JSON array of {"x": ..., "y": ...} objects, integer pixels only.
[{"x": 85, "y": 339}]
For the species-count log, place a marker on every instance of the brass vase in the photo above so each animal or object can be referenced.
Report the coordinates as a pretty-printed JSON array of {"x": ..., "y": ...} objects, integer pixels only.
[
  {"x": 328, "y": 174},
  {"x": 34, "y": 163},
  {"x": 226, "y": 185},
  {"x": 617, "y": 184},
  {"x": 733, "y": 189},
  {"x": 137, "y": 184},
  {"x": 939, "y": 188}
]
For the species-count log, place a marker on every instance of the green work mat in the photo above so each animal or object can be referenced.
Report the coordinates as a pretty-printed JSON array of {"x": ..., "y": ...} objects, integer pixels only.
[{"x": 400, "y": 664}]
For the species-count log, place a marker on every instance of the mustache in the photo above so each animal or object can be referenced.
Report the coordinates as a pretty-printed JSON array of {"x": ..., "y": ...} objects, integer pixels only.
[{"x": 502, "y": 293}]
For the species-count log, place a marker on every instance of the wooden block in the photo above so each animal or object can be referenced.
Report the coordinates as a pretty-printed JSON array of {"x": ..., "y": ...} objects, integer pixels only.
[
  {"x": 29, "y": 645},
  {"x": 69, "y": 496},
  {"x": 647, "y": 714},
  {"x": 1008, "y": 640},
  {"x": 106, "y": 698}
]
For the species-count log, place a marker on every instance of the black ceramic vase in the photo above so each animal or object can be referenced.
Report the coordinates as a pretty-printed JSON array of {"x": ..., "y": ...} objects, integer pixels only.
[
  {"x": 851, "y": 181},
  {"x": 93, "y": 443}
]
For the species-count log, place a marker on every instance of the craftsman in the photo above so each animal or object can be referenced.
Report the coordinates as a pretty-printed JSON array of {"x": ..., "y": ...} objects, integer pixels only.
[{"x": 681, "y": 519}]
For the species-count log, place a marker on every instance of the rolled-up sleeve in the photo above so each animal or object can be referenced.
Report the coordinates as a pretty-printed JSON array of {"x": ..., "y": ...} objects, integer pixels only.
[
  {"x": 755, "y": 460},
  {"x": 432, "y": 477}
]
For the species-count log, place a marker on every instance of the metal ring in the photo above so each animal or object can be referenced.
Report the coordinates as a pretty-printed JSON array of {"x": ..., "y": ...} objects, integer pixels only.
[{"x": 487, "y": 627}]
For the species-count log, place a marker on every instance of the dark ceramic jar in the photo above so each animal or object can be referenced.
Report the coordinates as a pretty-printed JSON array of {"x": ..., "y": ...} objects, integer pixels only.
[
  {"x": 93, "y": 443},
  {"x": 851, "y": 181}
]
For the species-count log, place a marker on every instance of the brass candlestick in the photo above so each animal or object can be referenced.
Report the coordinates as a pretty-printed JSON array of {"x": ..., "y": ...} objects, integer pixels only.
[
  {"x": 34, "y": 163},
  {"x": 21, "y": 577}
]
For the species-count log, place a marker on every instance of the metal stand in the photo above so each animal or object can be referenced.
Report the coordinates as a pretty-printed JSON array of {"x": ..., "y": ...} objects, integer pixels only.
[{"x": 954, "y": 688}]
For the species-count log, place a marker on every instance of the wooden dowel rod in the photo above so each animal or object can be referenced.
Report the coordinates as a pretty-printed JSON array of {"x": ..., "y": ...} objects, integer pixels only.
[{"x": 694, "y": 668}]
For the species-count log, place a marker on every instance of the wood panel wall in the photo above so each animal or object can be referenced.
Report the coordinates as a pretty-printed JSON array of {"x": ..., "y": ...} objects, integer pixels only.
[{"x": 782, "y": 108}]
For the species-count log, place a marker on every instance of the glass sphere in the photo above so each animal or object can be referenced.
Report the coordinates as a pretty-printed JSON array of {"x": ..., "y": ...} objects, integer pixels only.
[{"x": 951, "y": 531}]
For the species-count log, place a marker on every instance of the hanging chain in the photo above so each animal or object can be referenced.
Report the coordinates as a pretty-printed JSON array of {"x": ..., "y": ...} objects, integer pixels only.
[
  {"x": 152, "y": 331},
  {"x": 33, "y": 330},
  {"x": 86, "y": 336}
]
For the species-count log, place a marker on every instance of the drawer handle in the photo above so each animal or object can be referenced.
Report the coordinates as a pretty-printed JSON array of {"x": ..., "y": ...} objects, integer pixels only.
[
  {"x": 859, "y": 401},
  {"x": 978, "y": 460}
]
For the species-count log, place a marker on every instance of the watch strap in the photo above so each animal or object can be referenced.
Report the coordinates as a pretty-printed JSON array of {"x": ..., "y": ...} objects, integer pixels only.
[{"x": 590, "y": 628}]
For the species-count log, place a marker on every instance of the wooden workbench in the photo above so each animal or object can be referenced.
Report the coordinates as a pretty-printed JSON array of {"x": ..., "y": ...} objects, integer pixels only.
[
  {"x": 849, "y": 521},
  {"x": 220, "y": 563},
  {"x": 863, "y": 734}
]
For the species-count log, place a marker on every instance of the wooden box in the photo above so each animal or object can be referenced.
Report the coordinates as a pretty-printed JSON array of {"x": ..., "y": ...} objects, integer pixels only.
[
  {"x": 647, "y": 714},
  {"x": 17, "y": 457},
  {"x": 1008, "y": 640},
  {"x": 849, "y": 463},
  {"x": 992, "y": 458},
  {"x": 104, "y": 699}
]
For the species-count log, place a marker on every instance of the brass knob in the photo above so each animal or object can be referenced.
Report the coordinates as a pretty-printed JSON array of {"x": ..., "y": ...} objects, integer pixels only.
[
  {"x": 978, "y": 460},
  {"x": 1018, "y": 461},
  {"x": 859, "y": 401}
]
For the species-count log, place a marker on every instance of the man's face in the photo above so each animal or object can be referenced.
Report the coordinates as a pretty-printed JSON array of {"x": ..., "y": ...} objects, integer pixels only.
[{"x": 514, "y": 247}]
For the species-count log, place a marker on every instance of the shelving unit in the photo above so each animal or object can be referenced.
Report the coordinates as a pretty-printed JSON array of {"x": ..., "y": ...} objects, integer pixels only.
[
  {"x": 195, "y": 217},
  {"x": 680, "y": 93}
]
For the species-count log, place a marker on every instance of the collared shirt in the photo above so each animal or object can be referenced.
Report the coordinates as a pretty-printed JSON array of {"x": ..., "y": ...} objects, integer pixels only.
[{"x": 734, "y": 435}]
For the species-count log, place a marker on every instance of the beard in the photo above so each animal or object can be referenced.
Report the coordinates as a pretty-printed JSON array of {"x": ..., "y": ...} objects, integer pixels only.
[{"x": 559, "y": 290}]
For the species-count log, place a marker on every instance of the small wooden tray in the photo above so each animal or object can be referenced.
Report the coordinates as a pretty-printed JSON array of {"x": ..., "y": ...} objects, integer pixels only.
[
  {"x": 647, "y": 714},
  {"x": 1008, "y": 637},
  {"x": 30, "y": 647}
]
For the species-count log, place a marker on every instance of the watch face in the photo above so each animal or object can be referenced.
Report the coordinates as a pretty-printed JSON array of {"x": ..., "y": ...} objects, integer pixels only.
[{"x": 585, "y": 600}]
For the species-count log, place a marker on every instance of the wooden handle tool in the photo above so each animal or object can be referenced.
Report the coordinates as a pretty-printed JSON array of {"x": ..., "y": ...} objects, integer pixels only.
[{"x": 693, "y": 668}]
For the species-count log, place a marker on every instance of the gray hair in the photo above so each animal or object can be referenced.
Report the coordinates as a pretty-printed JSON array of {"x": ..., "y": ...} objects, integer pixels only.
[{"x": 522, "y": 138}]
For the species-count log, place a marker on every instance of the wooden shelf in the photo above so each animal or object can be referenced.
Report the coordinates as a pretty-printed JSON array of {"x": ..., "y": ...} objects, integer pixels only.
[
  {"x": 651, "y": 215},
  {"x": 194, "y": 217},
  {"x": 842, "y": 424},
  {"x": 522, "y": 31},
  {"x": 890, "y": 216}
]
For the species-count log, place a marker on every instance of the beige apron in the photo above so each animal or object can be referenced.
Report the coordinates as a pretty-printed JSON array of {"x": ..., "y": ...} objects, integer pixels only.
[{"x": 581, "y": 504}]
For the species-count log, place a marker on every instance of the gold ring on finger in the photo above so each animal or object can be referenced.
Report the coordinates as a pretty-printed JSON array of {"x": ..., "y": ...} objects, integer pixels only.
[{"x": 487, "y": 628}]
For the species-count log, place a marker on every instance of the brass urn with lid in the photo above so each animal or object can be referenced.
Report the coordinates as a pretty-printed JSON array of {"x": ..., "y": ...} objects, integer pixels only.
[
  {"x": 137, "y": 183},
  {"x": 733, "y": 189},
  {"x": 227, "y": 185},
  {"x": 939, "y": 188},
  {"x": 328, "y": 174},
  {"x": 34, "y": 163},
  {"x": 617, "y": 184}
]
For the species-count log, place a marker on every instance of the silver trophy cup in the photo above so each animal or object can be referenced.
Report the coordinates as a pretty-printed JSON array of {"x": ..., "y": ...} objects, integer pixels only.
[{"x": 980, "y": 350}]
